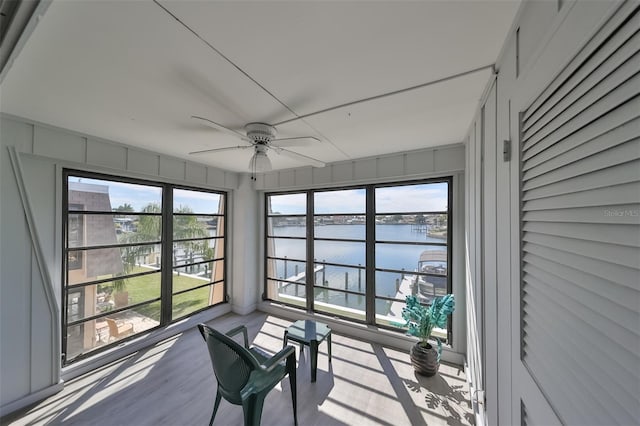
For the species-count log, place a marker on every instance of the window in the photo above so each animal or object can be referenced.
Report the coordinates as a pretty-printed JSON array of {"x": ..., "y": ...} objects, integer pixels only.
[
  {"x": 198, "y": 251},
  {"x": 368, "y": 247},
  {"x": 128, "y": 270},
  {"x": 287, "y": 248}
]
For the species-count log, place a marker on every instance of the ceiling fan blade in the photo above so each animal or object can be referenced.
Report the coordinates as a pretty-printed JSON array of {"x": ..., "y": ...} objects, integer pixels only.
[
  {"x": 220, "y": 127},
  {"x": 228, "y": 148},
  {"x": 299, "y": 157},
  {"x": 299, "y": 141}
]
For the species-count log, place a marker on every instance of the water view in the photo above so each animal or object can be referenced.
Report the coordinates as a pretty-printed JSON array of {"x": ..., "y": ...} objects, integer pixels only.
[{"x": 392, "y": 254}]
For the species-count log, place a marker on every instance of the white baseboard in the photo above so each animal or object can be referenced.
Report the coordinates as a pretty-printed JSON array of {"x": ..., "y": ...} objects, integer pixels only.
[{"x": 31, "y": 398}]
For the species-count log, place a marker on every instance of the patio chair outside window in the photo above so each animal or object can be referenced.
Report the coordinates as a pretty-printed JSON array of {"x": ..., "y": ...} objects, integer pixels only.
[{"x": 119, "y": 329}]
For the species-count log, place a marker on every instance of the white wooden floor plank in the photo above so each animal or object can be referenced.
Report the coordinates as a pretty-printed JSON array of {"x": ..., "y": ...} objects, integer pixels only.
[{"x": 172, "y": 383}]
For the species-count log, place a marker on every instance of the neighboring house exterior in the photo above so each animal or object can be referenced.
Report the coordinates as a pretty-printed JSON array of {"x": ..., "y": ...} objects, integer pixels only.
[{"x": 84, "y": 266}]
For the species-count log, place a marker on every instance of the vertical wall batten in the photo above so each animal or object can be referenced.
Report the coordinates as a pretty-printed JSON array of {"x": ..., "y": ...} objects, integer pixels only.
[
  {"x": 580, "y": 223},
  {"x": 52, "y": 304}
]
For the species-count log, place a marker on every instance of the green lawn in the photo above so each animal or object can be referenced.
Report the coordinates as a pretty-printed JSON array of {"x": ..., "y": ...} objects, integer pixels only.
[{"x": 147, "y": 287}]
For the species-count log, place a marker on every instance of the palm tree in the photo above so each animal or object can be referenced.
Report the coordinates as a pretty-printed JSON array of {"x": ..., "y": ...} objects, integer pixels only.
[
  {"x": 148, "y": 230},
  {"x": 186, "y": 226}
]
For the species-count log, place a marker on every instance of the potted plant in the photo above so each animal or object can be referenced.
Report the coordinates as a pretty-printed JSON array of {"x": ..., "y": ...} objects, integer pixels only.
[{"x": 421, "y": 321}]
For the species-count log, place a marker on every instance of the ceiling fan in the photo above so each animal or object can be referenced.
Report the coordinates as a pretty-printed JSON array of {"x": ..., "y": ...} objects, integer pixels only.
[{"x": 262, "y": 138}]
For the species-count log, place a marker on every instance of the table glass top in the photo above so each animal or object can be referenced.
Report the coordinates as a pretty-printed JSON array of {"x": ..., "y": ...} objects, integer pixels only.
[{"x": 308, "y": 330}]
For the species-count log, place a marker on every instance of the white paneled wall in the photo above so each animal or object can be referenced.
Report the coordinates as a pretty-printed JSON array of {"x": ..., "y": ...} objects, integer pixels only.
[
  {"x": 430, "y": 162},
  {"x": 542, "y": 42},
  {"x": 31, "y": 257}
]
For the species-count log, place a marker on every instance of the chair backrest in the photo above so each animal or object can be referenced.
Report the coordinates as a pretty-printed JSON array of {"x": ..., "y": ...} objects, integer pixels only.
[
  {"x": 113, "y": 327},
  {"x": 232, "y": 362}
]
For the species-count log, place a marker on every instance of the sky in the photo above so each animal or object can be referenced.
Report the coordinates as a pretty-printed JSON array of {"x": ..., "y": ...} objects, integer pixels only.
[
  {"x": 139, "y": 196},
  {"x": 429, "y": 197}
]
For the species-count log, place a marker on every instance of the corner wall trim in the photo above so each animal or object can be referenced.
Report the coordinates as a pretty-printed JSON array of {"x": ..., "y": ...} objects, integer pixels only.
[{"x": 54, "y": 310}]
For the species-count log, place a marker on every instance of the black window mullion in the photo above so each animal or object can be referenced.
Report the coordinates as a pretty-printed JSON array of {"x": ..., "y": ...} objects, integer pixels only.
[
  {"x": 65, "y": 264},
  {"x": 449, "y": 254},
  {"x": 370, "y": 256},
  {"x": 167, "y": 255},
  {"x": 182, "y": 240},
  {"x": 110, "y": 246},
  {"x": 112, "y": 213},
  {"x": 310, "y": 276}
]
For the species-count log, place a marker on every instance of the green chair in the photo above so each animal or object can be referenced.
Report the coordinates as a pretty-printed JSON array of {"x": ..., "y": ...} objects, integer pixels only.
[{"x": 246, "y": 374}]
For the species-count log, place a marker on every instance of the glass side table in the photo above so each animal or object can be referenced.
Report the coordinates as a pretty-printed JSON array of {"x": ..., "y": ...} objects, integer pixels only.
[{"x": 310, "y": 333}]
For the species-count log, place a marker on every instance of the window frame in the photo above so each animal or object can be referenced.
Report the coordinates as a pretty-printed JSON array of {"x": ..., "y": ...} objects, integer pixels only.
[
  {"x": 165, "y": 242},
  {"x": 369, "y": 241}
]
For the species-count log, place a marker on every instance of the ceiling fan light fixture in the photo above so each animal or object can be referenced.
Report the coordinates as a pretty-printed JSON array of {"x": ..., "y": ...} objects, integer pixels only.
[{"x": 260, "y": 163}]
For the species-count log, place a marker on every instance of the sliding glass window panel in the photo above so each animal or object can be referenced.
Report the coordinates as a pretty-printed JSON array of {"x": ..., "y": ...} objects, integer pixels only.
[
  {"x": 286, "y": 204},
  {"x": 89, "y": 194},
  {"x": 342, "y": 252},
  {"x": 352, "y": 279},
  {"x": 107, "y": 263},
  {"x": 425, "y": 197},
  {"x": 192, "y": 201},
  {"x": 339, "y": 303},
  {"x": 289, "y": 293},
  {"x": 188, "y": 302},
  {"x": 86, "y": 336},
  {"x": 287, "y": 226},
  {"x": 287, "y": 269},
  {"x": 349, "y": 201},
  {"x": 396, "y": 285},
  {"x": 187, "y": 227},
  {"x": 422, "y": 228},
  {"x": 194, "y": 251},
  {"x": 197, "y": 224},
  {"x": 196, "y": 275},
  {"x": 411, "y": 257},
  {"x": 86, "y": 230},
  {"x": 120, "y": 293},
  {"x": 287, "y": 247},
  {"x": 346, "y": 227}
]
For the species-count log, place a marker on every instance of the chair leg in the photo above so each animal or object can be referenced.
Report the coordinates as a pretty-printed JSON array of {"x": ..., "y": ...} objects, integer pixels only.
[
  {"x": 215, "y": 407},
  {"x": 252, "y": 408},
  {"x": 291, "y": 370}
]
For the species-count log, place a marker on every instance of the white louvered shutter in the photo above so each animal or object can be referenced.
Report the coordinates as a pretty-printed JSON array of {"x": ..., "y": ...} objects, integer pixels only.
[{"x": 580, "y": 218}]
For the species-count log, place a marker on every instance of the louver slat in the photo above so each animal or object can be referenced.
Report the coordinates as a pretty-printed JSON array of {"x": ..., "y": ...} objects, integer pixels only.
[
  {"x": 580, "y": 213},
  {"x": 592, "y": 275},
  {"x": 583, "y": 96},
  {"x": 585, "y": 215},
  {"x": 595, "y": 172},
  {"x": 600, "y": 67},
  {"x": 582, "y": 115},
  {"x": 615, "y": 254},
  {"x": 558, "y": 156},
  {"x": 580, "y": 373},
  {"x": 612, "y": 34},
  {"x": 624, "y": 115}
]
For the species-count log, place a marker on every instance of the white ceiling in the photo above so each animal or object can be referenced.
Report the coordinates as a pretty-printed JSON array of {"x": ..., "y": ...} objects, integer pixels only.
[{"x": 131, "y": 71}]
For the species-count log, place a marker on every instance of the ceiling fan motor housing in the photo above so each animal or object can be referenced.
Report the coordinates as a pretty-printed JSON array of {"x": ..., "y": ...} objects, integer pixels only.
[{"x": 260, "y": 132}]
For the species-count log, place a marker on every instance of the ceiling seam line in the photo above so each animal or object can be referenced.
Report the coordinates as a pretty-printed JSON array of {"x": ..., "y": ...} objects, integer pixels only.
[
  {"x": 384, "y": 95},
  {"x": 225, "y": 58}
]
